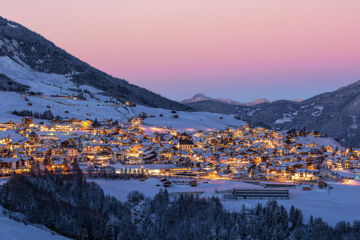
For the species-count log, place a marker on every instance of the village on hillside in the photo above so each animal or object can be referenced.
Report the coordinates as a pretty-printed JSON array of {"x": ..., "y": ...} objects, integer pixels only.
[{"x": 111, "y": 148}]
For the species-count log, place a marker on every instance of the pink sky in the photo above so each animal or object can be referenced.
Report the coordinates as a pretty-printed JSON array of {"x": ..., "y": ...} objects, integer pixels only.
[{"x": 241, "y": 49}]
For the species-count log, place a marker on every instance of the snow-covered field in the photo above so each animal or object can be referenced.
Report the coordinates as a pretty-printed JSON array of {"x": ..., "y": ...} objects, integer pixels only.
[
  {"x": 338, "y": 205},
  {"x": 342, "y": 203},
  {"x": 12, "y": 230}
]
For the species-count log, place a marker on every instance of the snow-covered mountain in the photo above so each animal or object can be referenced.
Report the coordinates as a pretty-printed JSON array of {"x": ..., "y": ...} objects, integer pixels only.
[
  {"x": 34, "y": 79},
  {"x": 200, "y": 102},
  {"x": 66, "y": 99},
  {"x": 200, "y": 97},
  {"x": 334, "y": 113},
  {"x": 197, "y": 98},
  {"x": 30, "y": 50},
  {"x": 255, "y": 102}
]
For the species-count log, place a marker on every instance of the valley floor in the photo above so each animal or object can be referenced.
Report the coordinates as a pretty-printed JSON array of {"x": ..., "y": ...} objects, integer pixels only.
[
  {"x": 334, "y": 206},
  {"x": 341, "y": 203}
]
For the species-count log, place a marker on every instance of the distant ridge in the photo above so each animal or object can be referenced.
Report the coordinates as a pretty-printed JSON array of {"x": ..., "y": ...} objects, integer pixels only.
[
  {"x": 202, "y": 97},
  {"x": 336, "y": 114}
]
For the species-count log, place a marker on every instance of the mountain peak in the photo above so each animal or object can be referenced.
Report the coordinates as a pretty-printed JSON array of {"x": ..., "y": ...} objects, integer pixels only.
[
  {"x": 197, "y": 98},
  {"x": 3, "y": 20},
  {"x": 199, "y": 95},
  {"x": 256, "y": 101}
]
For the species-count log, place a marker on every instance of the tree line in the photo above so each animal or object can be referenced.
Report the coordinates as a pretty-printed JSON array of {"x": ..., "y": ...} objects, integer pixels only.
[{"x": 46, "y": 115}]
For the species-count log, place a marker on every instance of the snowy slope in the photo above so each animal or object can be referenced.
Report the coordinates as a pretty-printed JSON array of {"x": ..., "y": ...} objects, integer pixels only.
[
  {"x": 94, "y": 107},
  {"x": 46, "y": 83},
  {"x": 12, "y": 230},
  {"x": 320, "y": 141}
]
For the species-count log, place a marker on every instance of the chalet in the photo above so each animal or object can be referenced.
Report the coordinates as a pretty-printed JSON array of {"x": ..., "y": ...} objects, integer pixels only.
[
  {"x": 104, "y": 156},
  {"x": 48, "y": 137},
  {"x": 56, "y": 151},
  {"x": 304, "y": 175},
  {"x": 238, "y": 133},
  {"x": 61, "y": 128},
  {"x": 72, "y": 142},
  {"x": 7, "y": 164},
  {"x": 135, "y": 122},
  {"x": 322, "y": 184},
  {"x": 58, "y": 165},
  {"x": 148, "y": 156},
  {"x": 130, "y": 104},
  {"x": 107, "y": 170},
  {"x": 75, "y": 122},
  {"x": 89, "y": 149},
  {"x": 33, "y": 138},
  {"x": 185, "y": 145},
  {"x": 167, "y": 184},
  {"x": 72, "y": 152},
  {"x": 27, "y": 121},
  {"x": 306, "y": 187},
  {"x": 193, "y": 183}
]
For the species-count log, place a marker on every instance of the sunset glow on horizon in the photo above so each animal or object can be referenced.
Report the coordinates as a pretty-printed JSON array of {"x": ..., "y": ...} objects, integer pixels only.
[{"x": 277, "y": 49}]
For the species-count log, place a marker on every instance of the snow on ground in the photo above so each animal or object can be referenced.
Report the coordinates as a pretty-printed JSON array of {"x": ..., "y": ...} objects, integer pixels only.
[
  {"x": 286, "y": 118},
  {"x": 3, "y": 180},
  {"x": 186, "y": 120},
  {"x": 95, "y": 105},
  {"x": 354, "y": 124},
  {"x": 121, "y": 188},
  {"x": 91, "y": 109},
  {"x": 13, "y": 230},
  {"x": 320, "y": 141},
  {"x": 340, "y": 204},
  {"x": 47, "y": 83},
  {"x": 318, "y": 111}
]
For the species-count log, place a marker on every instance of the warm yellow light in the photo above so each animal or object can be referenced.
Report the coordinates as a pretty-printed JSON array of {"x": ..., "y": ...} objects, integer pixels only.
[
  {"x": 86, "y": 124},
  {"x": 351, "y": 182}
]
